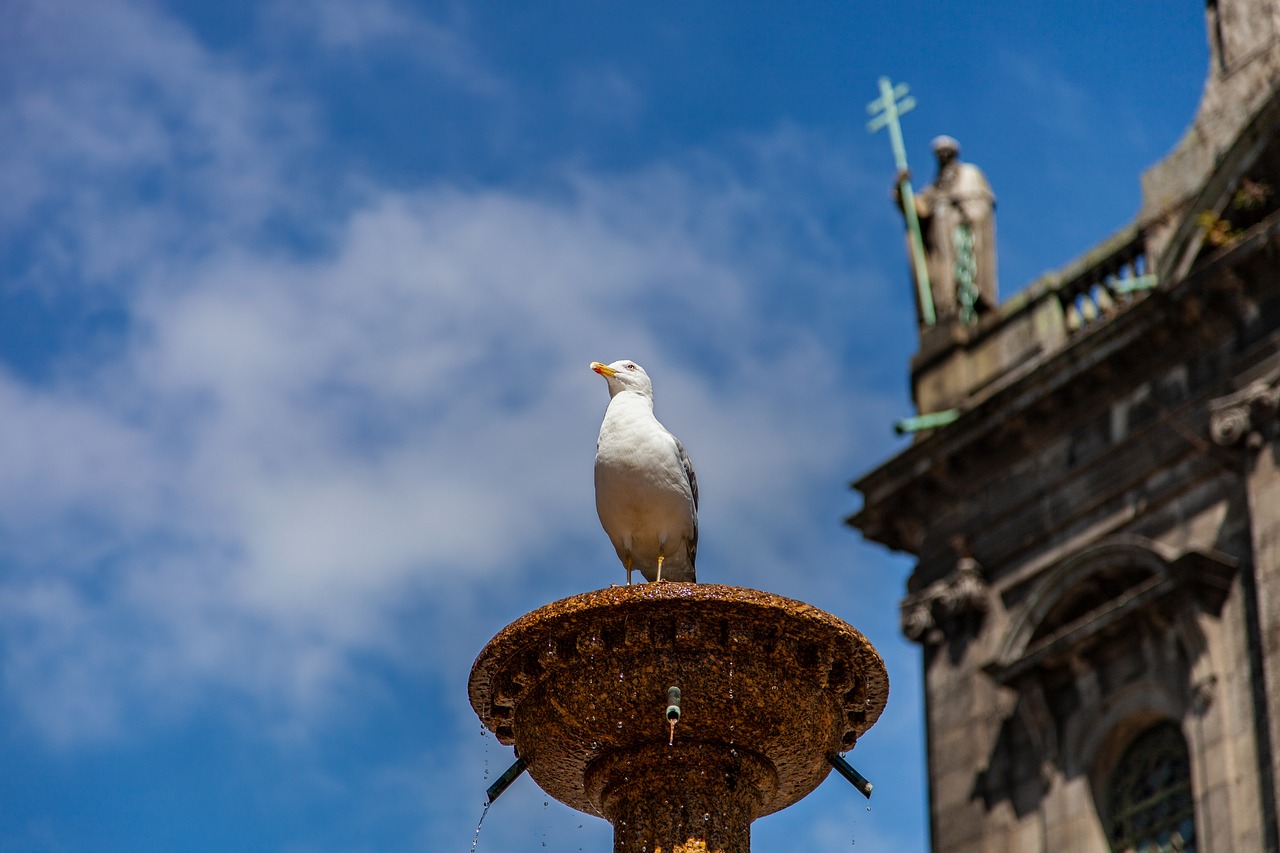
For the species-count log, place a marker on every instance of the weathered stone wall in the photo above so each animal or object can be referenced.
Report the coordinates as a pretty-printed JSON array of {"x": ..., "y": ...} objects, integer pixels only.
[
  {"x": 1244, "y": 64},
  {"x": 1098, "y": 532}
]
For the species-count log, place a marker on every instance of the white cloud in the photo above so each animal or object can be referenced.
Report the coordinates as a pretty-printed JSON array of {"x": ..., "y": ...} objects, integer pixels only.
[
  {"x": 289, "y": 447},
  {"x": 124, "y": 134}
]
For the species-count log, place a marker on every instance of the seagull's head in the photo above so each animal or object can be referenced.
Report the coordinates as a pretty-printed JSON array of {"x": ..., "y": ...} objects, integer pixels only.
[{"x": 624, "y": 375}]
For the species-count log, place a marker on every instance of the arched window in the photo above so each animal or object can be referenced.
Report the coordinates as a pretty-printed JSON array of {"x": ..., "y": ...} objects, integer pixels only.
[{"x": 1151, "y": 808}]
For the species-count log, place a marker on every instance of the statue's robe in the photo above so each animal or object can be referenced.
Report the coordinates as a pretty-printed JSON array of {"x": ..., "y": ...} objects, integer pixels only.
[{"x": 960, "y": 196}]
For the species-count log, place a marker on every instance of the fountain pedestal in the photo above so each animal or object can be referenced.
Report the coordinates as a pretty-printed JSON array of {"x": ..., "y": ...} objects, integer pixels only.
[{"x": 771, "y": 688}]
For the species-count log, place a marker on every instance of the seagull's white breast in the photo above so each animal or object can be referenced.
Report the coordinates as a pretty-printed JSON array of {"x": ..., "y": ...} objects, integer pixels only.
[{"x": 643, "y": 494}]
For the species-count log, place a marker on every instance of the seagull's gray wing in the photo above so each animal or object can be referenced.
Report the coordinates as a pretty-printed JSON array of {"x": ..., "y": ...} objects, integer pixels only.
[{"x": 693, "y": 486}]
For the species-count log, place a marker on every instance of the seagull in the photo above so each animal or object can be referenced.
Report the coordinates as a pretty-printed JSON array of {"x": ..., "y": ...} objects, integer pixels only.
[{"x": 646, "y": 492}]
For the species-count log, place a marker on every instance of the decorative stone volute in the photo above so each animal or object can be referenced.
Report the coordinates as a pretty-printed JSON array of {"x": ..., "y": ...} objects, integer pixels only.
[
  {"x": 962, "y": 593},
  {"x": 1248, "y": 416}
]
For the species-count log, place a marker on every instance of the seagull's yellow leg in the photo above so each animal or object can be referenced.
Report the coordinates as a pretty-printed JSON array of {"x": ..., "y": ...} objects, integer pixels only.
[
  {"x": 660, "y": 559},
  {"x": 628, "y": 565}
]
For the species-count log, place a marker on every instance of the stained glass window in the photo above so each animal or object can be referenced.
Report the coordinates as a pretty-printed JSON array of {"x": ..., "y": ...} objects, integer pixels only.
[{"x": 1151, "y": 808}]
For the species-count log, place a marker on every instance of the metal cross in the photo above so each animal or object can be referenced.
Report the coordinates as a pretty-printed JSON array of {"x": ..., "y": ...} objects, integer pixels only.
[{"x": 892, "y": 103}]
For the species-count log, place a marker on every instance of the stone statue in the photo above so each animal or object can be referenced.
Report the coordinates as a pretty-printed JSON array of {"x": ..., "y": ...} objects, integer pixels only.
[{"x": 957, "y": 223}]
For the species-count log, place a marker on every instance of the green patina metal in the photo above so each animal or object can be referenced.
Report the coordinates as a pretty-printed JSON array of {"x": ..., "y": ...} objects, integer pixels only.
[
  {"x": 966, "y": 271},
  {"x": 932, "y": 420},
  {"x": 1138, "y": 282},
  {"x": 892, "y": 103},
  {"x": 504, "y": 781},
  {"x": 855, "y": 778}
]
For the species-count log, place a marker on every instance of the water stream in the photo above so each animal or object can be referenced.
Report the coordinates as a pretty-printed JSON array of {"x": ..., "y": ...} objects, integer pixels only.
[{"x": 475, "y": 839}]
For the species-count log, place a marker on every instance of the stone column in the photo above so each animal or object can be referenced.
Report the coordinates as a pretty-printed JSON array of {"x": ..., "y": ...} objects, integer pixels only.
[
  {"x": 1264, "y": 498},
  {"x": 700, "y": 797},
  {"x": 1248, "y": 420}
]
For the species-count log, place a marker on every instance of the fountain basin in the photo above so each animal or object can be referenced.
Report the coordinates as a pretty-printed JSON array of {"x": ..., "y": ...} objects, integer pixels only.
[{"x": 771, "y": 687}]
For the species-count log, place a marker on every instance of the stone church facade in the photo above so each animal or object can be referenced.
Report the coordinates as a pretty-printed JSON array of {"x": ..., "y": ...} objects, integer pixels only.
[{"x": 1097, "y": 527}]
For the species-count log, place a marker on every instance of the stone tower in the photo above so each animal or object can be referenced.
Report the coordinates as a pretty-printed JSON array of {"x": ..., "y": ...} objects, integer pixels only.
[{"x": 1097, "y": 527}]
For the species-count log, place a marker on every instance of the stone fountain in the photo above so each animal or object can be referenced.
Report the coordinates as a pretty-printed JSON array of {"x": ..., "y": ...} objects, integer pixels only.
[{"x": 769, "y": 691}]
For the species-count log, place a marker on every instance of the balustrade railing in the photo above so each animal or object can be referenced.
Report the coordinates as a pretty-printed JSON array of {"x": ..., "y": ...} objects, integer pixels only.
[{"x": 1105, "y": 281}]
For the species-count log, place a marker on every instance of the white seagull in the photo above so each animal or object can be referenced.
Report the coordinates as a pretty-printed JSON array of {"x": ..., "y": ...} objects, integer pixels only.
[{"x": 646, "y": 492}]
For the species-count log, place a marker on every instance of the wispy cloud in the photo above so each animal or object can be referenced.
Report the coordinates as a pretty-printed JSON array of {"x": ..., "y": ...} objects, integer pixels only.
[
  {"x": 287, "y": 444},
  {"x": 1048, "y": 95},
  {"x": 124, "y": 134},
  {"x": 363, "y": 31},
  {"x": 605, "y": 95}
]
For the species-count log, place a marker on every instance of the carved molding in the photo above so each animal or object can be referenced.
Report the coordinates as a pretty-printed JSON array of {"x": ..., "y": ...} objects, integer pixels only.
[
  {"x": 1248, "y": 415},
  {"x": 962, "y": 593}
]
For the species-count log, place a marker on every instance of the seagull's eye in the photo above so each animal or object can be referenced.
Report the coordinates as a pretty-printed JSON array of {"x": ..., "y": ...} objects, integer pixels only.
[{"x": 632, "y": 367}]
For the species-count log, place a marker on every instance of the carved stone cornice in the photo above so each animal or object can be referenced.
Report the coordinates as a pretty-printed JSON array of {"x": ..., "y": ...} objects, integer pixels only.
[
  {"x": 927, "y": 613},
  {"x": 1248, "y": 416}
]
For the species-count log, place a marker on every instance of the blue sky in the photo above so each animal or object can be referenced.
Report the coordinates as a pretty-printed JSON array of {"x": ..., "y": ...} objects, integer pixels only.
[{"x": 296, "y": 306}]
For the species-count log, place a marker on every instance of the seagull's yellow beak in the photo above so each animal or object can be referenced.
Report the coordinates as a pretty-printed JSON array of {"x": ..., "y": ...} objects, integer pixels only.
[{"x": 603, "y": 369}]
